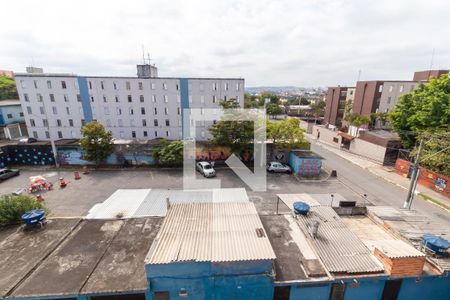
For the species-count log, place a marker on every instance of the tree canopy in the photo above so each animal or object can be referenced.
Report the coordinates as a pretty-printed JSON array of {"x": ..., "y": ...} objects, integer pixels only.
[
  {"x": 435, "y": 153},
  {"x": 273, "y": 109},
  {"x": 426, "y": 108},
  {"x": 318, "y": 108},
  {"x": 96, "y": 142},
  {"x": 169, "y": 153},
  {"x": 7, "y": 88},
  {"x": 286, "y": 134},
  {"x": 273, "y": 98}
]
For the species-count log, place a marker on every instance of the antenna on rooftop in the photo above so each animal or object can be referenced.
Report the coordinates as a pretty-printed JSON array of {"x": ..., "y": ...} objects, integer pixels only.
[
  {"x": 148, "y": 58},
  {"x": 359, "y": 75},
  {"x": 432, "y": 59},
  {"x": 143, "y": 54}
]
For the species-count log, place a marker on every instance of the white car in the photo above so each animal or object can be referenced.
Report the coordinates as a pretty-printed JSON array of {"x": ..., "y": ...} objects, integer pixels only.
[
  {"x": 278, "y": 167},
  {"x": 205, "y": 169}
]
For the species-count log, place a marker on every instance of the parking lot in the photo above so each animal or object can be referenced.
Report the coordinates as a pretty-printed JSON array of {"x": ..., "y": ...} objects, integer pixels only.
[{"x": 80, "y": 195}]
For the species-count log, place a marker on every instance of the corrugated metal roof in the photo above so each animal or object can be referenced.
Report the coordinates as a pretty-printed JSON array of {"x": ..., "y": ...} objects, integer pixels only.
[
  {"x": 123, "y": 201},
  {"x": 146, "y": 202},
  {"x": 213, "y": 232},
  {"x": 339, "y": 248},
  {"x": 395, "y": 248}
]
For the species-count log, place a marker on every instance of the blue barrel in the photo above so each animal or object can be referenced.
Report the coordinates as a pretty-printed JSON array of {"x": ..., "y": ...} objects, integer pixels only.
[
  {"x": 435, "y": 243},
  {"x": 301, "y": 208},
  {"x": 33, "y": 216}
]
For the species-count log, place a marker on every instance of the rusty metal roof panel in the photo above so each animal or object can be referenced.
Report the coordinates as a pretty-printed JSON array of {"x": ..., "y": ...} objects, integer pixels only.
[
  {"x": 339, "y": 248},
  {"x": 211, "y": 232}
]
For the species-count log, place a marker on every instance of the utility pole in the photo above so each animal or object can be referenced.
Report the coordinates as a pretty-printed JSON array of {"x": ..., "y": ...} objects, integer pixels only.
[{"x": 414, "y": 178}]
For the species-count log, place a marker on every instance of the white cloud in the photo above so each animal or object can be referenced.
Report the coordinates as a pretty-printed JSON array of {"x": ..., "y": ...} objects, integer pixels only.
[{"x": 268, "y": 42}]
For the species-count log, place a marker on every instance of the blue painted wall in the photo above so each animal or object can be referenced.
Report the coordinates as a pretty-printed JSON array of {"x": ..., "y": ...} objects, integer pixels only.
[
  {"x": 85, "y": 99},
  {"x": 184, "y": 95},
  {"x": 305, "y": 166},
  {"x": 13, "y": 110},
  {"x": 235, "y": 280}
]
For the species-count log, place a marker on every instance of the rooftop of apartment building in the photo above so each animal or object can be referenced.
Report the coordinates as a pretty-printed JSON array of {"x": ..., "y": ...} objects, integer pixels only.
[
  {"x": 108, "y": 254},
  {"x": 9, "y": 102}
]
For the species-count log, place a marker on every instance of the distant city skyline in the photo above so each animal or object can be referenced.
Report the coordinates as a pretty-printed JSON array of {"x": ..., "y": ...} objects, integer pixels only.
[{"x": 269, "y": 43}]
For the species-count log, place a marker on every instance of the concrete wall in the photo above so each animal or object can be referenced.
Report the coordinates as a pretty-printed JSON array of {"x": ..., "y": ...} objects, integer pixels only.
[
  {"x": 307, "y": 126},
  {"x": 328, "y": 136},
  {"x": 369, "y": 150},
  {"x": 11, "y": 114}
]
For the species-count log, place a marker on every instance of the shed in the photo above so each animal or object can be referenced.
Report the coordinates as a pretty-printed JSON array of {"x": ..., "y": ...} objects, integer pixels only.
[{"x": 305, "y": 163}]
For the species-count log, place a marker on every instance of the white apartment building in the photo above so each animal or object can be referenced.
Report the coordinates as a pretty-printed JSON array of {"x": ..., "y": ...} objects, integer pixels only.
[{"x": 144, "y": 107}]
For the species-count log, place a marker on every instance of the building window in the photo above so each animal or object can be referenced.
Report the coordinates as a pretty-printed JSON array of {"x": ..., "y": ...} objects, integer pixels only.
[
  {"x": 49, "y": 84},
  {"x": 156, "y": 111},
  {"x": 133, "y": 134},
  {"x": 47, "y": 134},
  {"x": 238, "y": 87},
  {"x": 153, "y": 86},
  {"x": 106, "y": 110},
  {"x": 155, "y": 122},
  {"x": 67, "y": 110},
  {"x": 390, "y": 88},
  {"x": 58, "y": 123},
  {"x": 119, "y": 111},
  {"x": 142, "y": 110},
  {"x": 214, "y": 100},
  {"x": 9, "y": 116},
  {"x": 78, "y": 97},
  {"x": 141, "y": 98},
  {"x": 102, "y": 85},
  {"x": 117, "y": 98},
  {"x": 36, "y": 84},
  {"x": 52, "y": 98},
  {"x": 154, "y": 98},
  {"x": 39, "y": 97},
  {"x": 42, "y": 110},
  {"x": 44, "y": 122},
  {"x": 238, "y": 99},
  {"x": 25, "y": 96},
  {"x": 55, "y": 111},
  {"x": 214, "y": 86},
  {"x": 130, "y": 99},
  {"x": 131, "y": 111},
  {"x": 128, "y": 85},
  {"x": 29, "y": 110},
  {"x": 63, "y": 84},
  {"x": 92, "y": 98},
  {"x": 83, "y": 122},
  {"x": 156, "y": 133},
  {"x": 226, "y": 86},
  {"x": 115, "y": 85},
  {"x": 178, "y": 110},
  {"x": 167, "y": 122},
  {"x": 70, "y": 122},
  {"x": 145, "y": 133},
  {"x": 400, "y": 89},
  {"x": 389, "y": 100},
  {"x": 21, "y": 114},
  {"x": 144, "y": 123},
  {"x": 35, "y": 134},
  {"x": 23, "y": 84},
  {"x": 380, "y": 88},
  {"x": 104, "y": 99},
  {"x": 60, "y": 136},
  {"x": 166, "y": 98},
  {"x": 167, "y": 133},
  {"x": 66, "y": 98},
  {"x": 164, "y": 86},
  {"x": 177, "y": 86},
  {"x": 140, "y": 85},
  {"x": 90, "y": 85},
  {"x": 166, "y": 111}
]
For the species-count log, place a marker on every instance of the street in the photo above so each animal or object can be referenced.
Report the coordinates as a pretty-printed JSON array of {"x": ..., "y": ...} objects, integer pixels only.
[{"x": 378, "y": 191}]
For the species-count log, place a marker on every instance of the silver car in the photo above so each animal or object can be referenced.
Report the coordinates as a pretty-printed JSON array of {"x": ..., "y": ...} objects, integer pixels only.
[
  {"x": 205, "y": 169},
  {"x": 277, "y": 167}
]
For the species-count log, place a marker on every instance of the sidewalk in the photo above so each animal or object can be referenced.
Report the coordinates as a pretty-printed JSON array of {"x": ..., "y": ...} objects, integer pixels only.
[{"x": 386, "y": 173}]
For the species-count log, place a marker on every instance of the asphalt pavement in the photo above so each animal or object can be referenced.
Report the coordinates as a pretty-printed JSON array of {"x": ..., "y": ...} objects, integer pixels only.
[{"x": 378, "y": 191}]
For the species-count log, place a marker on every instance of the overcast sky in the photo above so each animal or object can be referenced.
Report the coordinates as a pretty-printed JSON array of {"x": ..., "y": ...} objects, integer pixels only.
[{"x": 268, "y": 42}]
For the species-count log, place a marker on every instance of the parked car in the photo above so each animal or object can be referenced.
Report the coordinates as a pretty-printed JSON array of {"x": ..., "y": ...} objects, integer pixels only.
[
  {"x": 27, "y": 140},
  {"x": 8, "y": 173},
  {"x": 205, "y": 169},
  {"x": 277, "y": 167}
]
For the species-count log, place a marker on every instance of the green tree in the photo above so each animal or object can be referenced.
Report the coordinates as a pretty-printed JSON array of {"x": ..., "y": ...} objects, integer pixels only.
[
  {"x": 286, "y": 134},
  {"x": 250, "y": 101},
  {"x": 273, "y": 98},
  {"x": 426, "y": 108},
  {"x": 169, "y": 153},
  {"x": 13, "y": 207},
  {"x": 7, "y": 88},
  {"x": 435, "y": 154},
  {"x": 273, "y": 109},
  {"x": 348, "y": 111},
  {"x": 227, "y": 104},
  {"x": 318, "y": 109},
  {"x": 359, "y": 120},
  {"x": 96, "y": 142}
]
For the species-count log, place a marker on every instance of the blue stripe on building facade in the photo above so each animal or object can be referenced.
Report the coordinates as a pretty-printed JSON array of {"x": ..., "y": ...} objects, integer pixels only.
[
  {"x": 184, "y": 95},
  {"x": 85, "y": 99}
]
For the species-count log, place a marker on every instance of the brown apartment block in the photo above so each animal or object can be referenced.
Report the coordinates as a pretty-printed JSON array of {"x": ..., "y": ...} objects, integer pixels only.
[
  {"x": 367, "y": 97},
  {"x": 428, "y": 74},
  {"x": 335, "y": 105}
]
